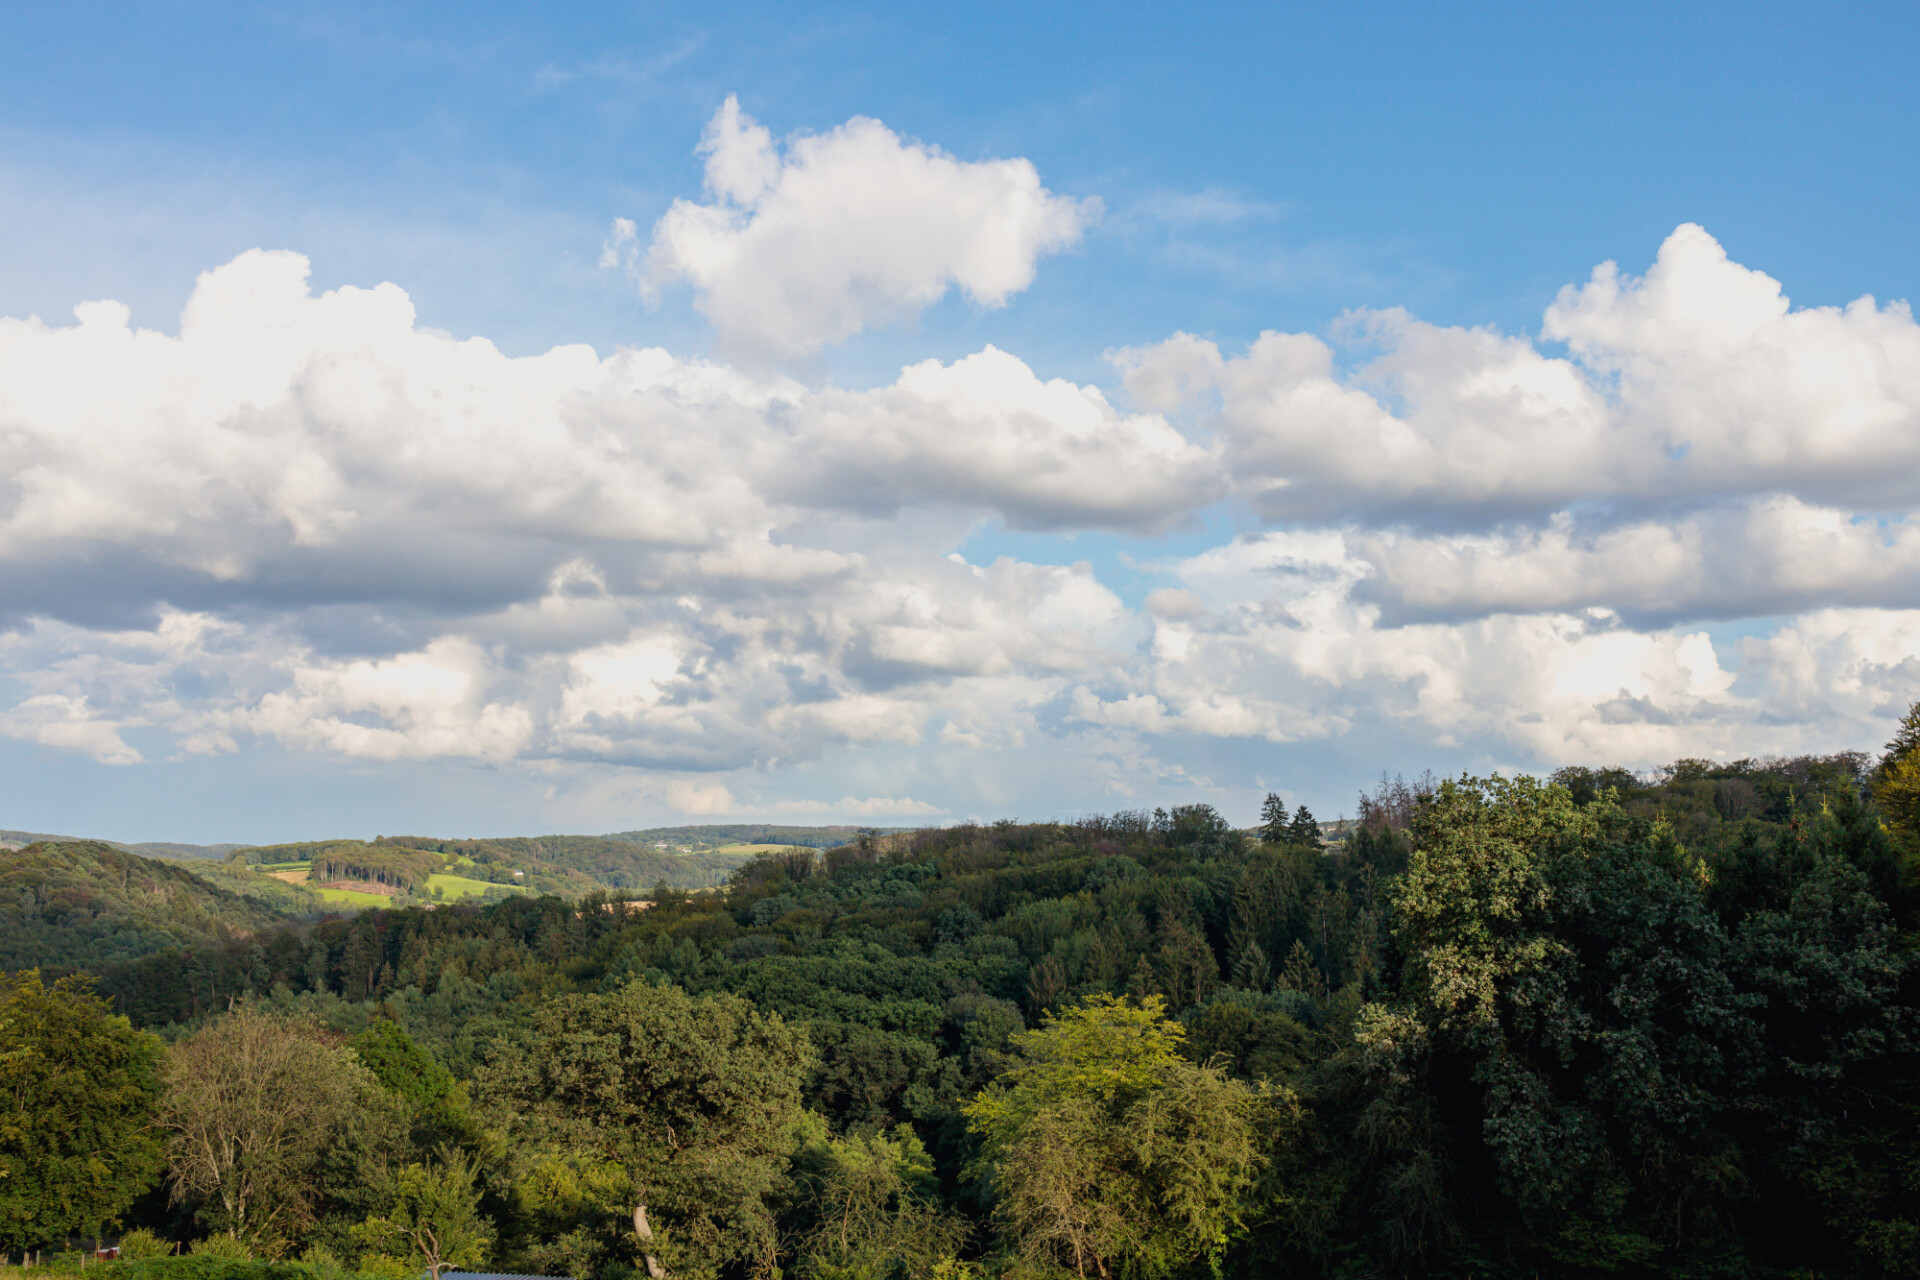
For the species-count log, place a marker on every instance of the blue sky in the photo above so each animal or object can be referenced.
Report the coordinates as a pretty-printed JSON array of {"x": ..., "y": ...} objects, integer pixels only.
[{"x": 1255, "y": 169}]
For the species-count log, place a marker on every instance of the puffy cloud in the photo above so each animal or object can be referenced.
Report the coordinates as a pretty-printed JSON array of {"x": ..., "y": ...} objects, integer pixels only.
[
  {"x": 304, "y": 520},
  {"x": 1693, "y": 383},
  {"x": 845, "y": 231},
  {"x": 68, "y": 724},
  {"x": 1286, "y": 651},
  {"x": 1741, "y": 392},
  {"x": 985, "y": 431},
  {"x": 1760, "y": 557},
  {"x": 372, "y": 540},
  {"x": 425, "y": 705},
  {"x": 325, "y": 448}
]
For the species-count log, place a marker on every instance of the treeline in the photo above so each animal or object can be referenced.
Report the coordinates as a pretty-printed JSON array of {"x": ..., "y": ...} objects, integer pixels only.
[
  {"x": 375, "y": 864},
  {"x": 1599, "y": 1025},
  {"x": 713, "y": 835},
  {"x": 146, "y": 849}
]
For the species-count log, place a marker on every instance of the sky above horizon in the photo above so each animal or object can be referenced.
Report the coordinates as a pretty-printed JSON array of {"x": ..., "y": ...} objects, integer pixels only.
[{"x": 497, "y": 421}]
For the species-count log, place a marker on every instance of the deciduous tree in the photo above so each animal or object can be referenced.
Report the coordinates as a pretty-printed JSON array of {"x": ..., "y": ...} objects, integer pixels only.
[
  {"x": 251, "y": 1101},
  {"x": 1109, "y": 1152},
  {"x": 77, "y": 1090},
  {"x": 694, "y": 1097},
  {"x": 435, "y": 1221}
]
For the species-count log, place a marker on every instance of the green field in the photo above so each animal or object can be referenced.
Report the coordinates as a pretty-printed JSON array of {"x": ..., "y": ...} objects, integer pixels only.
[
  {"x": 351, "y": 897},
  {"x": 759, "y": 848},
  {"x": 452, "y": 887},
  {"x": 455, "y": 887}
]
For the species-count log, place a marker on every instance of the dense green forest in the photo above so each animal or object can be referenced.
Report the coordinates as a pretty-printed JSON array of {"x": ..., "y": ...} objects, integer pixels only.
[
  {"x": 90, "y": 905},
  {"x": 1601, "y": 1024},
  {"x": 719, "y": 836}
]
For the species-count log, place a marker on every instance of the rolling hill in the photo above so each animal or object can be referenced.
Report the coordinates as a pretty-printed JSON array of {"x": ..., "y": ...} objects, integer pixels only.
[{"x": 86, "y": 904}]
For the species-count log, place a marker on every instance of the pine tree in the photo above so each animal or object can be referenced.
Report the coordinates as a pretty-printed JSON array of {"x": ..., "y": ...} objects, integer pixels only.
[
  {"x": 1251, "y": 969},
  {"x": 1303, "y": 829},
  {"x": 1273, "y": 820},
  {"x": 1143, "y": 983},
  {"x": 1905, "y": 738},
  {"x": 1301, "y": 974}
]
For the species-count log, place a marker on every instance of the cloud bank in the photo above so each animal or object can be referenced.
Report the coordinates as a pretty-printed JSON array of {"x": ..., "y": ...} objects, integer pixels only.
[{"x": 305, "y": 520}]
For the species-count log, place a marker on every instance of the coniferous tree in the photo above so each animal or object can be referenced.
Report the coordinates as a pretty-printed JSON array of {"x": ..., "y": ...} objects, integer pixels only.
[{"x": 1273, "y": 819}]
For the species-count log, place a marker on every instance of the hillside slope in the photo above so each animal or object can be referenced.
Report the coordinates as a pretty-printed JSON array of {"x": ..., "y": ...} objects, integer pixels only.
[
  {"x": 572, "y": 865},
  {"x": 86, "y": 904}
]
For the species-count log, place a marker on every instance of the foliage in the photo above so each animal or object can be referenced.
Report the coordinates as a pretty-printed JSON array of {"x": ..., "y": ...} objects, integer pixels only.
[
  {"x": 580, "y": 864},
  {"x": 438, "y": 1103},
  {"x": 251, "y": 1104},
  {"x": 352, "y": 860},
  {"x": 867, "y": 1206},
  {"x": 228, "y": 1265},
  {"x": 91, "y": 905},
  {"x": 1108, "y": 1150},
  {"x": 1613, "y": 1023},
  {"x": 693, "y": 1096},
  {"x": 721, "y": 835},
  {"x": 140, "y": 1244},
  {"x": 76, "y": 1088},
  {"x": 435, "y": 1221}
]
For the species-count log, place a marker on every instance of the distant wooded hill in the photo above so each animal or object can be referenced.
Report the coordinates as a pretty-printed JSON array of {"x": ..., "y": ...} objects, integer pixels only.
[
  {"x": 572, "y": 865},
  {"x": 146, "y": 849},
  {"x": 95, "y": 905},
  {"x": 711, "y": 837},
  {"x": 86, "y": 904}
]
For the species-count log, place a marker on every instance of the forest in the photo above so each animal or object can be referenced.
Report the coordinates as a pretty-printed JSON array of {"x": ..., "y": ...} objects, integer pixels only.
[{"x": 1596, "y": 1024}]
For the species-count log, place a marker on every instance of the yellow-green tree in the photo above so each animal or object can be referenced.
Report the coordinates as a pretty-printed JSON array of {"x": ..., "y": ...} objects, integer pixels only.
[
  {"x": 1110, "y": 1153},
  {"x": 1897, "y": 787},
  {"x": 868, "y": 1206},
  {"x": 435, "y": 1221}
]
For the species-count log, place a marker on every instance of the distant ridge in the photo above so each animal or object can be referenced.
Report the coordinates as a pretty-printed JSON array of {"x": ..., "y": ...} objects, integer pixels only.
[
  {"x": 147, "y": 849},
  {"x": 750, "y": 833}
]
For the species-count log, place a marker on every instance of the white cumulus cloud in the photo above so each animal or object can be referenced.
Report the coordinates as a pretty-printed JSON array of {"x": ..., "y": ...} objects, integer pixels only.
[
  {"x": 804, "y": 246},
  {"x": 1696, "y": 382},
  {"x": 302, "y": 520}
]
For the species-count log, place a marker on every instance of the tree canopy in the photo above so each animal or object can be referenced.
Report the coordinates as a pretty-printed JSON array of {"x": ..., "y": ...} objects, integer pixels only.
[
  {"x": 77, "y": 1090},
  {"x": 1606, "y": 1023}
]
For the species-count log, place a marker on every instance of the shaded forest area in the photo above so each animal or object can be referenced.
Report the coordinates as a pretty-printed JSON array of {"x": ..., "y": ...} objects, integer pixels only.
[{"x": 1594, "y": 1025}]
